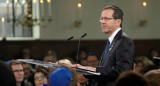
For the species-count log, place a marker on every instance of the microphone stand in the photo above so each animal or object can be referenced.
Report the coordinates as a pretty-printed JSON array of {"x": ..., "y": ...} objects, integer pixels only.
[
  {"x": 64, "y": 47},
  {"x": 79, "y": 47}
]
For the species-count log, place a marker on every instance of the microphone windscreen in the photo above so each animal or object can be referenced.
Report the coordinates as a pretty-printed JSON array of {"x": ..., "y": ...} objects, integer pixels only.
[
  {"x": 70, "y": 38},
  {"x": 83, "y": 35}
]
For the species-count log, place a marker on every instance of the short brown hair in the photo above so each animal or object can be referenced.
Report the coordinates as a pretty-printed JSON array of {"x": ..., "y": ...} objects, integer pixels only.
[
  {"x": 130, "y": 78},
  {"x": 15, "y": 62},
  {"x": 118, "y": 14}
]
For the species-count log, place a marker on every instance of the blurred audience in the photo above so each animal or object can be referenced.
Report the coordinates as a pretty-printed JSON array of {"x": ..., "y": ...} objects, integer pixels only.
[
  {"x": 28, "y": 71},
  {"x": 6, "y": 75},
  {"x": 63, "y": 76},
  {"x": 64, "y": 61},
  {"x": 81, "y": 79},
  {"x": 52, "y": 52},
  {"x": 50, "y": 58},
  {"x": 130, "y": 78},
  {"x": 92, "y": 59},
  {"x": 143, "y": 64},
  {"x": 83, "y": 61},
  {"x": 138, "y": 66},
  {"x": 81, "y": 55},
  {"x": 25, "y": 53},
  {"x": 153, "y": 77},
  {"x": 153, "y": 52},
  {"x": 18, "y": 72},
  {"x": 40, "y": 78}
]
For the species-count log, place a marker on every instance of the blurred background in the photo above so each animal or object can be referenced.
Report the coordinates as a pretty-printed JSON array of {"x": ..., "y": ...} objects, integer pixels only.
[{"x": 42, "y": 26}]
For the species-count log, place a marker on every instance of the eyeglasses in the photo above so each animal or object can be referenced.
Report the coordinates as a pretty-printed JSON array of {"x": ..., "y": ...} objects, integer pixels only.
[
  {"x": 17, "y": 71},
  {"x": 39, "y": 78},
  {"x": 105, "y": 19}
]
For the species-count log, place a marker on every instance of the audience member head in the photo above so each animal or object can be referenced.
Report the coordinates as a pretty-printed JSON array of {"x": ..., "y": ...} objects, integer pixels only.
[
  {"x": 153, "y": 77},
  {"x": 130, "y": 78},
  {"x": 81, "y": 79},
  {"x": 92, "y": 59},
  {"x": 6, "y": 75},
  {"x": 153, "y": 52},
  {"x": 27, "y": 70},
  {"x": 63, "y": 76},
  {"x": 40, "y": 77},
  {"x": 17, "y": 70},
  {"x": 64, "y": 61},
  {"x": 83, "y": 61},
  {"x": 52, "y": 52},
  {"x": 26, "y": 54},
  {"x": 147, "y": 64},
  {"x": 82, "y": 53},
  {"x": 50, "y": 58},
  {"x": 138, "y": 67}
]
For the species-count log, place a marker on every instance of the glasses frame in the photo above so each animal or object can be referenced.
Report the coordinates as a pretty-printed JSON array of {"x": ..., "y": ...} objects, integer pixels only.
[
  {"x": 18, "y": 71},
  {"x": 39, "y": 78},
  {"x": 105, "y": 19}
]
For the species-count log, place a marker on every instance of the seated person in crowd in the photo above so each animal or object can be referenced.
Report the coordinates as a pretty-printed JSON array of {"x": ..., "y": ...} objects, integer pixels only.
[
  {"x": 138, "y": 66},
  {"x": 145, "y": 66},
  {"x": 18, "y": 72},
  {"x": 6, "y": 75},
  {"x": 64, "y": 61},
  {"x": 130, "y": 78},
  {"x": 50, "y": 58},
  {"x": 40, "y": 78},
  {"x": 153, "y": 52},
  {"x": 153, "y": 77},
  {"x": 83, "y": 61},
  {"x": 63, "y": 76},
  {"x": 81, "y": 56},
  {"x": 82, "y": 80},
  {"x": 28, "y": 71},
  {"x": 92, "y": 59}
]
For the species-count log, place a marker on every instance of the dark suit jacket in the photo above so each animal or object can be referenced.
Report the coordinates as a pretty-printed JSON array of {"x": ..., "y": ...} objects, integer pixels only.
[{"x": 119, "y": 58}]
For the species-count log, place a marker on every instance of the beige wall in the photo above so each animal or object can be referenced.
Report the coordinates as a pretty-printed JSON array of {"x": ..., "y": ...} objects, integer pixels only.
[{"x": 65, "y": 13}]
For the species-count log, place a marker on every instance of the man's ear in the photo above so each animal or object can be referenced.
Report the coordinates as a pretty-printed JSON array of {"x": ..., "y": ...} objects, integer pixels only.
[{"x": 118, "y": 22}]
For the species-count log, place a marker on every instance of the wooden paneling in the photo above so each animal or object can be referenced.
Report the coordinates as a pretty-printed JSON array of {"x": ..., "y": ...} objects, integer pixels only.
[{"x": 10, "y": 49}]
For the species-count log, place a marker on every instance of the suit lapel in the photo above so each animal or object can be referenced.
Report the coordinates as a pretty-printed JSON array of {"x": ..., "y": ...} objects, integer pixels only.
[{"x": 111, "y": 48}]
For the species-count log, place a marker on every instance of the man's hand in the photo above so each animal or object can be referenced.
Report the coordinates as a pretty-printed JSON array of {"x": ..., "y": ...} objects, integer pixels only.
[{"x": 84, "y": 67}]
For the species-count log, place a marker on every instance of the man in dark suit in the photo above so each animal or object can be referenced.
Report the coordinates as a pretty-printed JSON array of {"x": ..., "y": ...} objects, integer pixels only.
[{"x": 118, "y": 55}]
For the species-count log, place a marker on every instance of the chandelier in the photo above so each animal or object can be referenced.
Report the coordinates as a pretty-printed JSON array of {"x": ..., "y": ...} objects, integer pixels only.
[{"x": 32, "y": 12}]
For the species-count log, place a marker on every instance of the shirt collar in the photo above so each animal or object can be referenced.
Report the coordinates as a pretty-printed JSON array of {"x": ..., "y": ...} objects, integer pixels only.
[{"x": 113, "y": 35}]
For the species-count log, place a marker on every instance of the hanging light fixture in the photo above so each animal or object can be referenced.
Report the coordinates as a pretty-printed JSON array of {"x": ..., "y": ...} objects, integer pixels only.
[{"x": 28, "y": 17}]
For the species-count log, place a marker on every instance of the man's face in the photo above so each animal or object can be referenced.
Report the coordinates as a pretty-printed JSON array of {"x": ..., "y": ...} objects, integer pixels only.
[
  {"x": 49, "y": 59},
  {"x": 18, "y": 72},
  {"x": 92, "y": 61},
  {"x": 108, "y": 23},
  {"x": 27, "y": 70}
]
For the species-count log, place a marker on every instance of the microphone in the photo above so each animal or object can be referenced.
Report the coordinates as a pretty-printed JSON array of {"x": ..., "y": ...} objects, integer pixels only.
[
  {"x": 70, "y": 38},
  {"x": 79, "y": 46},
  {"x": 64, "y": 47},
  {"x": 83, "y": 35}
]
